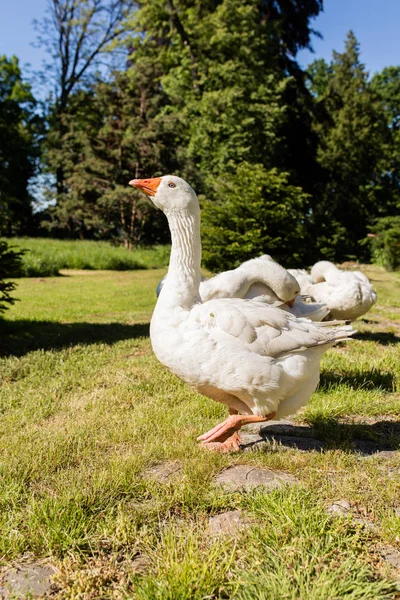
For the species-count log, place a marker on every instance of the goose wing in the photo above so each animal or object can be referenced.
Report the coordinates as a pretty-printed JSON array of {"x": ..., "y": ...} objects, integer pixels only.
[{"x": 265, "y": 330}]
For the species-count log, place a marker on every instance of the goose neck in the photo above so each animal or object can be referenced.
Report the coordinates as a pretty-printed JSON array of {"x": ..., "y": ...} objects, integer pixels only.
[{"x": 183, "y": 279}]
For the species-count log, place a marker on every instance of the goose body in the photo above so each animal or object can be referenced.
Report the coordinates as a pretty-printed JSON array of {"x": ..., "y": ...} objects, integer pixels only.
[
  {"x": 263, "y": 279},
  {"x": 257, "y": 359},
  {"x": 347, "y": 294}
]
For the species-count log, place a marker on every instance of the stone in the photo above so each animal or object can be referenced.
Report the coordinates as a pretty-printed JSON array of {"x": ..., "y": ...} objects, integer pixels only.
[
  {"x": 391, "y": 556},
  {"x": 28, "y": 579},
  {"x": 285, "y": 427},
  {"x": 284, "y": 433},
  {"x": 366, "y": 524},
  {"x": 165, "y": 472},
  {"x": 228, "y": 523},
  {"x": 246, "y": 477},
  {"x": 250, "y": 440},
  {"x": 339, "y": 508},
  {"x": 140, "y": 564},
  {"x": 303, "y": 444},
  {"x": 371, "y": 449},
  {"x": 281, "y": 425}
]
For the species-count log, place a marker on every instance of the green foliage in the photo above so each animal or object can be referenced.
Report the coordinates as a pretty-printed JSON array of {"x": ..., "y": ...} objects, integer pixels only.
[
  {"x": 202, "y": 90},
  {"x": 10, "y": 266},
  {"x": 19, "y": 128},
  {"x": 258, "y": 211},
  {"x": 352, "y": 135},
  {"x": 386, "y": 242},
  {"x": 110, "y": 136},
  {"x": 45, "y": 257},
  {"x": 386, "y": 86}
]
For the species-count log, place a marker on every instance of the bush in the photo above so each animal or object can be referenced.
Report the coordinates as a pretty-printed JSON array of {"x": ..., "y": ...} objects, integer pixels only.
[
  {"x": 385, "y": 241},
  {"x": 10, "y": 266},
  {"x": 258, "y": 212}
]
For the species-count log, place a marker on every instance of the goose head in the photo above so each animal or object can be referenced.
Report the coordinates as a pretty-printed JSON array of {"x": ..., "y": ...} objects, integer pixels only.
[
  {"x": 169, "y": 193},
  {"x": 324, "y": 270}
]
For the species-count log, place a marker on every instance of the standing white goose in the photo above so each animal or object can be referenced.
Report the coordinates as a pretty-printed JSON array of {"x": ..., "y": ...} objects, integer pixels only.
[
  {"x": 347, "y": 294},
  {"x": 260, "y": 361},
  {"x": 263, "y": 279}
]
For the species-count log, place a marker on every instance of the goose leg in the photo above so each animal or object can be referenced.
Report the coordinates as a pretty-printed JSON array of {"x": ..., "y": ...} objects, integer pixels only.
[{"x": 224, "y": 437}]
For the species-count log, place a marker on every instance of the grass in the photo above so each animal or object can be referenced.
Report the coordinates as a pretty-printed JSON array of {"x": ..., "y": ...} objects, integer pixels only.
[
  {"x": 46, "y": 257},
  {"x": 86, "y": 410}
]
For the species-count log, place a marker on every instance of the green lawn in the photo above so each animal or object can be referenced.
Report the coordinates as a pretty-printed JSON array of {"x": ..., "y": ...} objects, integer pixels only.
[
  {"x": 45, "y": 257},
  {"x": 86, "y": 410}
]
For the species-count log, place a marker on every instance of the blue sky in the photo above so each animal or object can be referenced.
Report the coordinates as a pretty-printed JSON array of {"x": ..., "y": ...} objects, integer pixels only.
[{"x": 376, "y": 26}]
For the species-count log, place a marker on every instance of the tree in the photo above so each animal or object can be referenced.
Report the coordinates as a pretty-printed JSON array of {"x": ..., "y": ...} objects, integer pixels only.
[
  {"x": 227, "y": 66},
  {"x": 385, "y": 242},
  {"x": 205, "y": 91},
  {"x": 353, "y": 135},
  {"x": 386, "y": 86},
  {"x": 242, "y": 224},
  {"x": 112, "y": 136},
  {"x": 76, "y": 35},
  {"x": 19, "y": 147}
]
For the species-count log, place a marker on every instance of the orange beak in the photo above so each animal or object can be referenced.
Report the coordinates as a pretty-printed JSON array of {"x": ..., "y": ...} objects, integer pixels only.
[
  {"x": 148, "y": 186},
  {"x": 291, "y": 302}
]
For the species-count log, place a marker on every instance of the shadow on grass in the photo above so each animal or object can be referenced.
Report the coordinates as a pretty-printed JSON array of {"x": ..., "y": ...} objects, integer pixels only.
[
  {"x": 20, "y": 337},
  {"x": 365, "y": 380},
  {"x": 382, "y": 337},
  {"x": 330, "y": 434}
]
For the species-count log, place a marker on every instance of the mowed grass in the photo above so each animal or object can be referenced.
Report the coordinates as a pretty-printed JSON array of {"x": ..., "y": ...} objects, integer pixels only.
[
  {"x": 87, "y": 410},
  {"x": 45, "y": 257}
]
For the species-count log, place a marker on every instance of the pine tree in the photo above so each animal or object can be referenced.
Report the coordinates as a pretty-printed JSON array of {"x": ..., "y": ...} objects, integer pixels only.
[
  {"x": 244, "y": 225},
  {"x": 386, "y": 86},
  {"x": 352, "y": 138}
]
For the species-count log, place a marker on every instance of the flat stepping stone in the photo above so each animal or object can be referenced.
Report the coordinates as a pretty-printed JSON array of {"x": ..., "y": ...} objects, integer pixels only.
[
  {"x": 26, "y": 580},
  {"x": 342, "y": 508},
  {"x": 286, "y": 433},
  {"x": 367, "y": 448},
  {"x": 285, "y": 427},
  {"x": 228, "y": 523},
  {"x": 165, "y": 472},
  {"x": 246, "y": 477},
  {"x": 255, "y": 442},
  {"x": 339, "y": 508},
  {"x": 140, "y": 564},
  {"x": 392, "y": 556},
  {"x": 282, "y": 424}
]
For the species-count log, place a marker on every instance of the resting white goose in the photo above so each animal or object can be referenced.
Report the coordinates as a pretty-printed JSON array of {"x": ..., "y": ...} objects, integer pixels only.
[
  {"x": 263, "y": 279},
  {"x": 347, "y": 294},
  {"x": 260, "y": 361}
]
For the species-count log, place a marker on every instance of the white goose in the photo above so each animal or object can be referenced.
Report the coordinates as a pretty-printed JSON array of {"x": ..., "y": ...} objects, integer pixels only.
[
  {"x": 347, "y": 294},
  {"x": 263, "y": 279},
  {"x": 260, "y": 361}
]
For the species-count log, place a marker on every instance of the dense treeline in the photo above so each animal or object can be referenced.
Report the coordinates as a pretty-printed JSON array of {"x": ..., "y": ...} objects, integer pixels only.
[{"x": 301, "y": 164}]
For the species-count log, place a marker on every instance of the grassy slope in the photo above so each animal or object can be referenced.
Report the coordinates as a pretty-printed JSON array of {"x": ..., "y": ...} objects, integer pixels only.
[
  {"x": 46, "y": 256},
  {"x": 86, "y": 409}
]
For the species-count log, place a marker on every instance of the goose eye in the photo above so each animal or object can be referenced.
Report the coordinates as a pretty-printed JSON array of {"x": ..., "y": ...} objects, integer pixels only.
[{"x": 171, "y": 185}]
